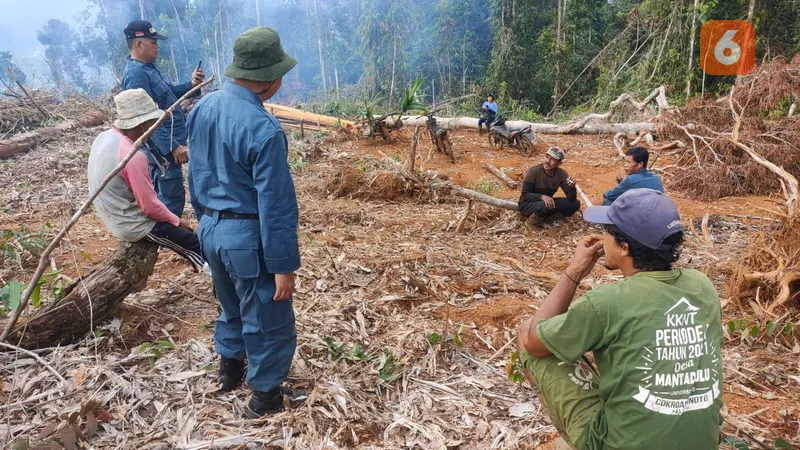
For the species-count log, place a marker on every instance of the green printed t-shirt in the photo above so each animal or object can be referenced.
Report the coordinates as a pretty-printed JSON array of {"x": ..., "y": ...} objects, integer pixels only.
[{"x": 656, "y": 339}]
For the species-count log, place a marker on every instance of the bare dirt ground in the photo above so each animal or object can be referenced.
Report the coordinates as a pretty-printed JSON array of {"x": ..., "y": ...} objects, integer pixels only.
[{"x": 405, "y": 328}]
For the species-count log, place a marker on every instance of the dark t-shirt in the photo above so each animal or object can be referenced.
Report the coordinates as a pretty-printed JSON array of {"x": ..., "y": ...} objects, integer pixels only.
[{"x": 537, "y": 183}]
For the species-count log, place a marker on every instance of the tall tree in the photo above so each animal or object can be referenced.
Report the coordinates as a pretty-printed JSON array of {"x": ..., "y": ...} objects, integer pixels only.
[{"x": 63, "y": 51}]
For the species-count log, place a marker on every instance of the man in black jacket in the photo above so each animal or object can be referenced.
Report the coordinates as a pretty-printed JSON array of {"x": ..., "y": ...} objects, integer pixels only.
[{"x": 540, "y": 184}]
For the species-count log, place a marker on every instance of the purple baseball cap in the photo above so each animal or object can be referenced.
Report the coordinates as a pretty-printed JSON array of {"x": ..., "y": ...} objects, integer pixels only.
[{"x": 645, "y": 215}]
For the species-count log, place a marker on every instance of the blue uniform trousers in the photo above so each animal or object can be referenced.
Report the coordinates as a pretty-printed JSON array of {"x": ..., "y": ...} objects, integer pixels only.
[
  {"x": 252, "y": 324},
  {"x": 168, "y": 185}
]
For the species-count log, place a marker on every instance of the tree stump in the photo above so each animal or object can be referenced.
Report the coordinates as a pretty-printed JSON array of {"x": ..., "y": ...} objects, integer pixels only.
[{"x": 106, "y": 286}]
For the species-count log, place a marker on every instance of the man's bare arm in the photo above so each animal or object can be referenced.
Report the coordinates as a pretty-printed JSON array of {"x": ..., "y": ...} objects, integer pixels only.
[{"x": 586, "y": 255}]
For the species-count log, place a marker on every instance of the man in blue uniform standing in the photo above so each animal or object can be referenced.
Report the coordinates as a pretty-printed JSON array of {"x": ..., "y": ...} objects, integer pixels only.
[
  {"x": 240, "y": 176},
  {"x": 168, "y": 145}
]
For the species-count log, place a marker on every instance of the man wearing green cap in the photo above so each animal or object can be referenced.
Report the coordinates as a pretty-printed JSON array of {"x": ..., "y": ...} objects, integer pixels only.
[{"x": 240, "y": 178}]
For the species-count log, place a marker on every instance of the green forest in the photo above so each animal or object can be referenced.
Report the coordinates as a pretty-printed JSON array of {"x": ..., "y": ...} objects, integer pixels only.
[{"x": 538, "y": 57}]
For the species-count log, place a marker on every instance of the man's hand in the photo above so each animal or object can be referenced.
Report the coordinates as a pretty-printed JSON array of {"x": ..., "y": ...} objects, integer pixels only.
[
  {"x": 571, "y": 182},
  {"x": 587, "y": 253},
  {"x": 619, "y": 179},
  {"x": 181, "y": 155},
  {"x": 185, "y": 225},
  {"x": 284, "y": 286},
  {"x": 549, "y": 202},
  {"x": 198, "y": 76}
]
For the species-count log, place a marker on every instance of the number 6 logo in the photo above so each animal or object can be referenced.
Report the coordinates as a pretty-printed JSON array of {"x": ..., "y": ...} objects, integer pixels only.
[{"x": 727, "y": 47}]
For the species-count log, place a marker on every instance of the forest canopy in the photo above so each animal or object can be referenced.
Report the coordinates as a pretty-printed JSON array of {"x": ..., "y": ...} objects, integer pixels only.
[{"x": 535, "y": 56}]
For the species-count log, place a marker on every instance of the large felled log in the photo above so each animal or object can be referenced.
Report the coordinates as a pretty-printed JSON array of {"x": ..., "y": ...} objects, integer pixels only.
[
  {"x": 24, "y": 142},
  {"x": 91, "y": 300},
  {"x": 452, "y": 123}
]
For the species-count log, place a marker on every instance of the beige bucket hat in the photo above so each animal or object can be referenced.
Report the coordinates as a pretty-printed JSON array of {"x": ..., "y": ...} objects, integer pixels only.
[{"x": 135, "y": 107}]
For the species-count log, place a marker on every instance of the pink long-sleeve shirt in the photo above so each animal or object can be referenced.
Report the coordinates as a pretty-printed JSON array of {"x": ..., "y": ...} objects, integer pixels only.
[
  {"x": 137, "y": 175},
  {"x": 128, "y": 206}
]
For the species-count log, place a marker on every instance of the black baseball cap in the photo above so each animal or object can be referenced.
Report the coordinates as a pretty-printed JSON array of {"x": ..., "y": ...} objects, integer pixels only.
[
  {"x": 645, "y": 215},
  {"x": 142, "y": 29}
]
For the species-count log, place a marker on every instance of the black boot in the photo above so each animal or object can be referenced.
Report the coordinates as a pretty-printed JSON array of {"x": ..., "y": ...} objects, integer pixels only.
[
  {"x": 231, "y": 372},
  {"x": 263, "y": 403}
]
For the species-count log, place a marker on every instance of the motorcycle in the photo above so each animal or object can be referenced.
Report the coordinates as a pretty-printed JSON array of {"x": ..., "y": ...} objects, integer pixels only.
[
  {"x": 439, "y": 137},
  {"x": 500, "y": 135}
]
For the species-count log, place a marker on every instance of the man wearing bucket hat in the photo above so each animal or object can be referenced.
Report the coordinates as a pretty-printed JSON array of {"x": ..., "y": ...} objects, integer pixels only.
[
  {"x": 239, "y": 176},
  {"x": 168, "y": 145},
  {"x": 541, "y": 182},
  {"x": 128, "y": 206},
  {"x": 655, "y": 336}
]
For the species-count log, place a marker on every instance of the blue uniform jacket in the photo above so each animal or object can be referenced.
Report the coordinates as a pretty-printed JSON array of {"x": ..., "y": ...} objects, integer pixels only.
[
  {"x": 643, "y": 179},
  {"x": 171, "y": 133},
  {"x": 240, "y": 164}
]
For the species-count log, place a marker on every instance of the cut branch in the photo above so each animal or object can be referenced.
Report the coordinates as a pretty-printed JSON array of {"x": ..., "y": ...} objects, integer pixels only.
[
  {"x": 463, "y": 220},
  {"x": 27, "y": 94},
  {"x": 45, "y": 257},
  {"x": 412, "y": 157},
  {"x": 483, "y": 198},
  {"x": 500, "y": 174}
]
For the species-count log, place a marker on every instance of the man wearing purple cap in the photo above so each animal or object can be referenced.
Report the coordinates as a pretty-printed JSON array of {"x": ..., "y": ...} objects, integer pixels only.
[{"x": 655, "y": 337}]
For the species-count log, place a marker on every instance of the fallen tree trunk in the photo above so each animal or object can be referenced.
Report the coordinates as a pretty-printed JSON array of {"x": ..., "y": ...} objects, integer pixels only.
[
  {"x": 500, "y": 174},
  {"x": 24, "y": 142},
  {"x": 92, "y": 299},
  {"x": 452, "y": 123}
]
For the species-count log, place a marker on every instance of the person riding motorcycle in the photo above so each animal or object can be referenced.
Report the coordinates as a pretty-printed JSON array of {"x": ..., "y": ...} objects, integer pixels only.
[{"x": 488, "y": 111}]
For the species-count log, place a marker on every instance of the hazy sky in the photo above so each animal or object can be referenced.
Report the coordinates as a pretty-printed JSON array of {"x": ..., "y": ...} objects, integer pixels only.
[{"x": 21, "y": 19}]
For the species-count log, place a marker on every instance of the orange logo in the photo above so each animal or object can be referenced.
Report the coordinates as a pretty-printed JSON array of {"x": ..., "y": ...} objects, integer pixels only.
[{"x": 727, "y": 47}]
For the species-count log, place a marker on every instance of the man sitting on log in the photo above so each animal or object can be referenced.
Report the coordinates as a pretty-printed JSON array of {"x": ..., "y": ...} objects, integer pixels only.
[
  {"x": 638, "y": 176},
  {"x": 129, "y": 206},
  {"x": 536, "y": 204},
  {"x": 656, "y": 337},
  {"x": 488, "y": 111}
]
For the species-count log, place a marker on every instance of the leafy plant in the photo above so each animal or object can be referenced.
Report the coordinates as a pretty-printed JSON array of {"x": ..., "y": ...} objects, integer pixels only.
[
  {"x": 156, "y": 350},
  {"x": 738, "y": 444},
  {"x": 447, "y": 340},
  {"x": 337, "y": 350},
  {"x": 412, "y": 100},
  {"x": 11, "y": 293},
  {"x": 387, "y": 371},
  {"x": 17, "y": 244},
  {"x": 755, "y": 331},
  {"x": 297, "y": 159},
  {"x": 74, "y": 427},
  {"x": 514, "y": 369},
  {"x": 484, "y": 187}
]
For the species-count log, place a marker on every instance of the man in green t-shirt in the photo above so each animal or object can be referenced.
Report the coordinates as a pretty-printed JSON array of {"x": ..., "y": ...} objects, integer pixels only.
[{"x": 656, "y": 338}]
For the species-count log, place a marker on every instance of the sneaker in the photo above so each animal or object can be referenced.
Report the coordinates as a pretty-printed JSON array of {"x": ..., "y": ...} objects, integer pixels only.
[
  {"x": 263, "y": 403},
  {"x": 231, "y": 373}
]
